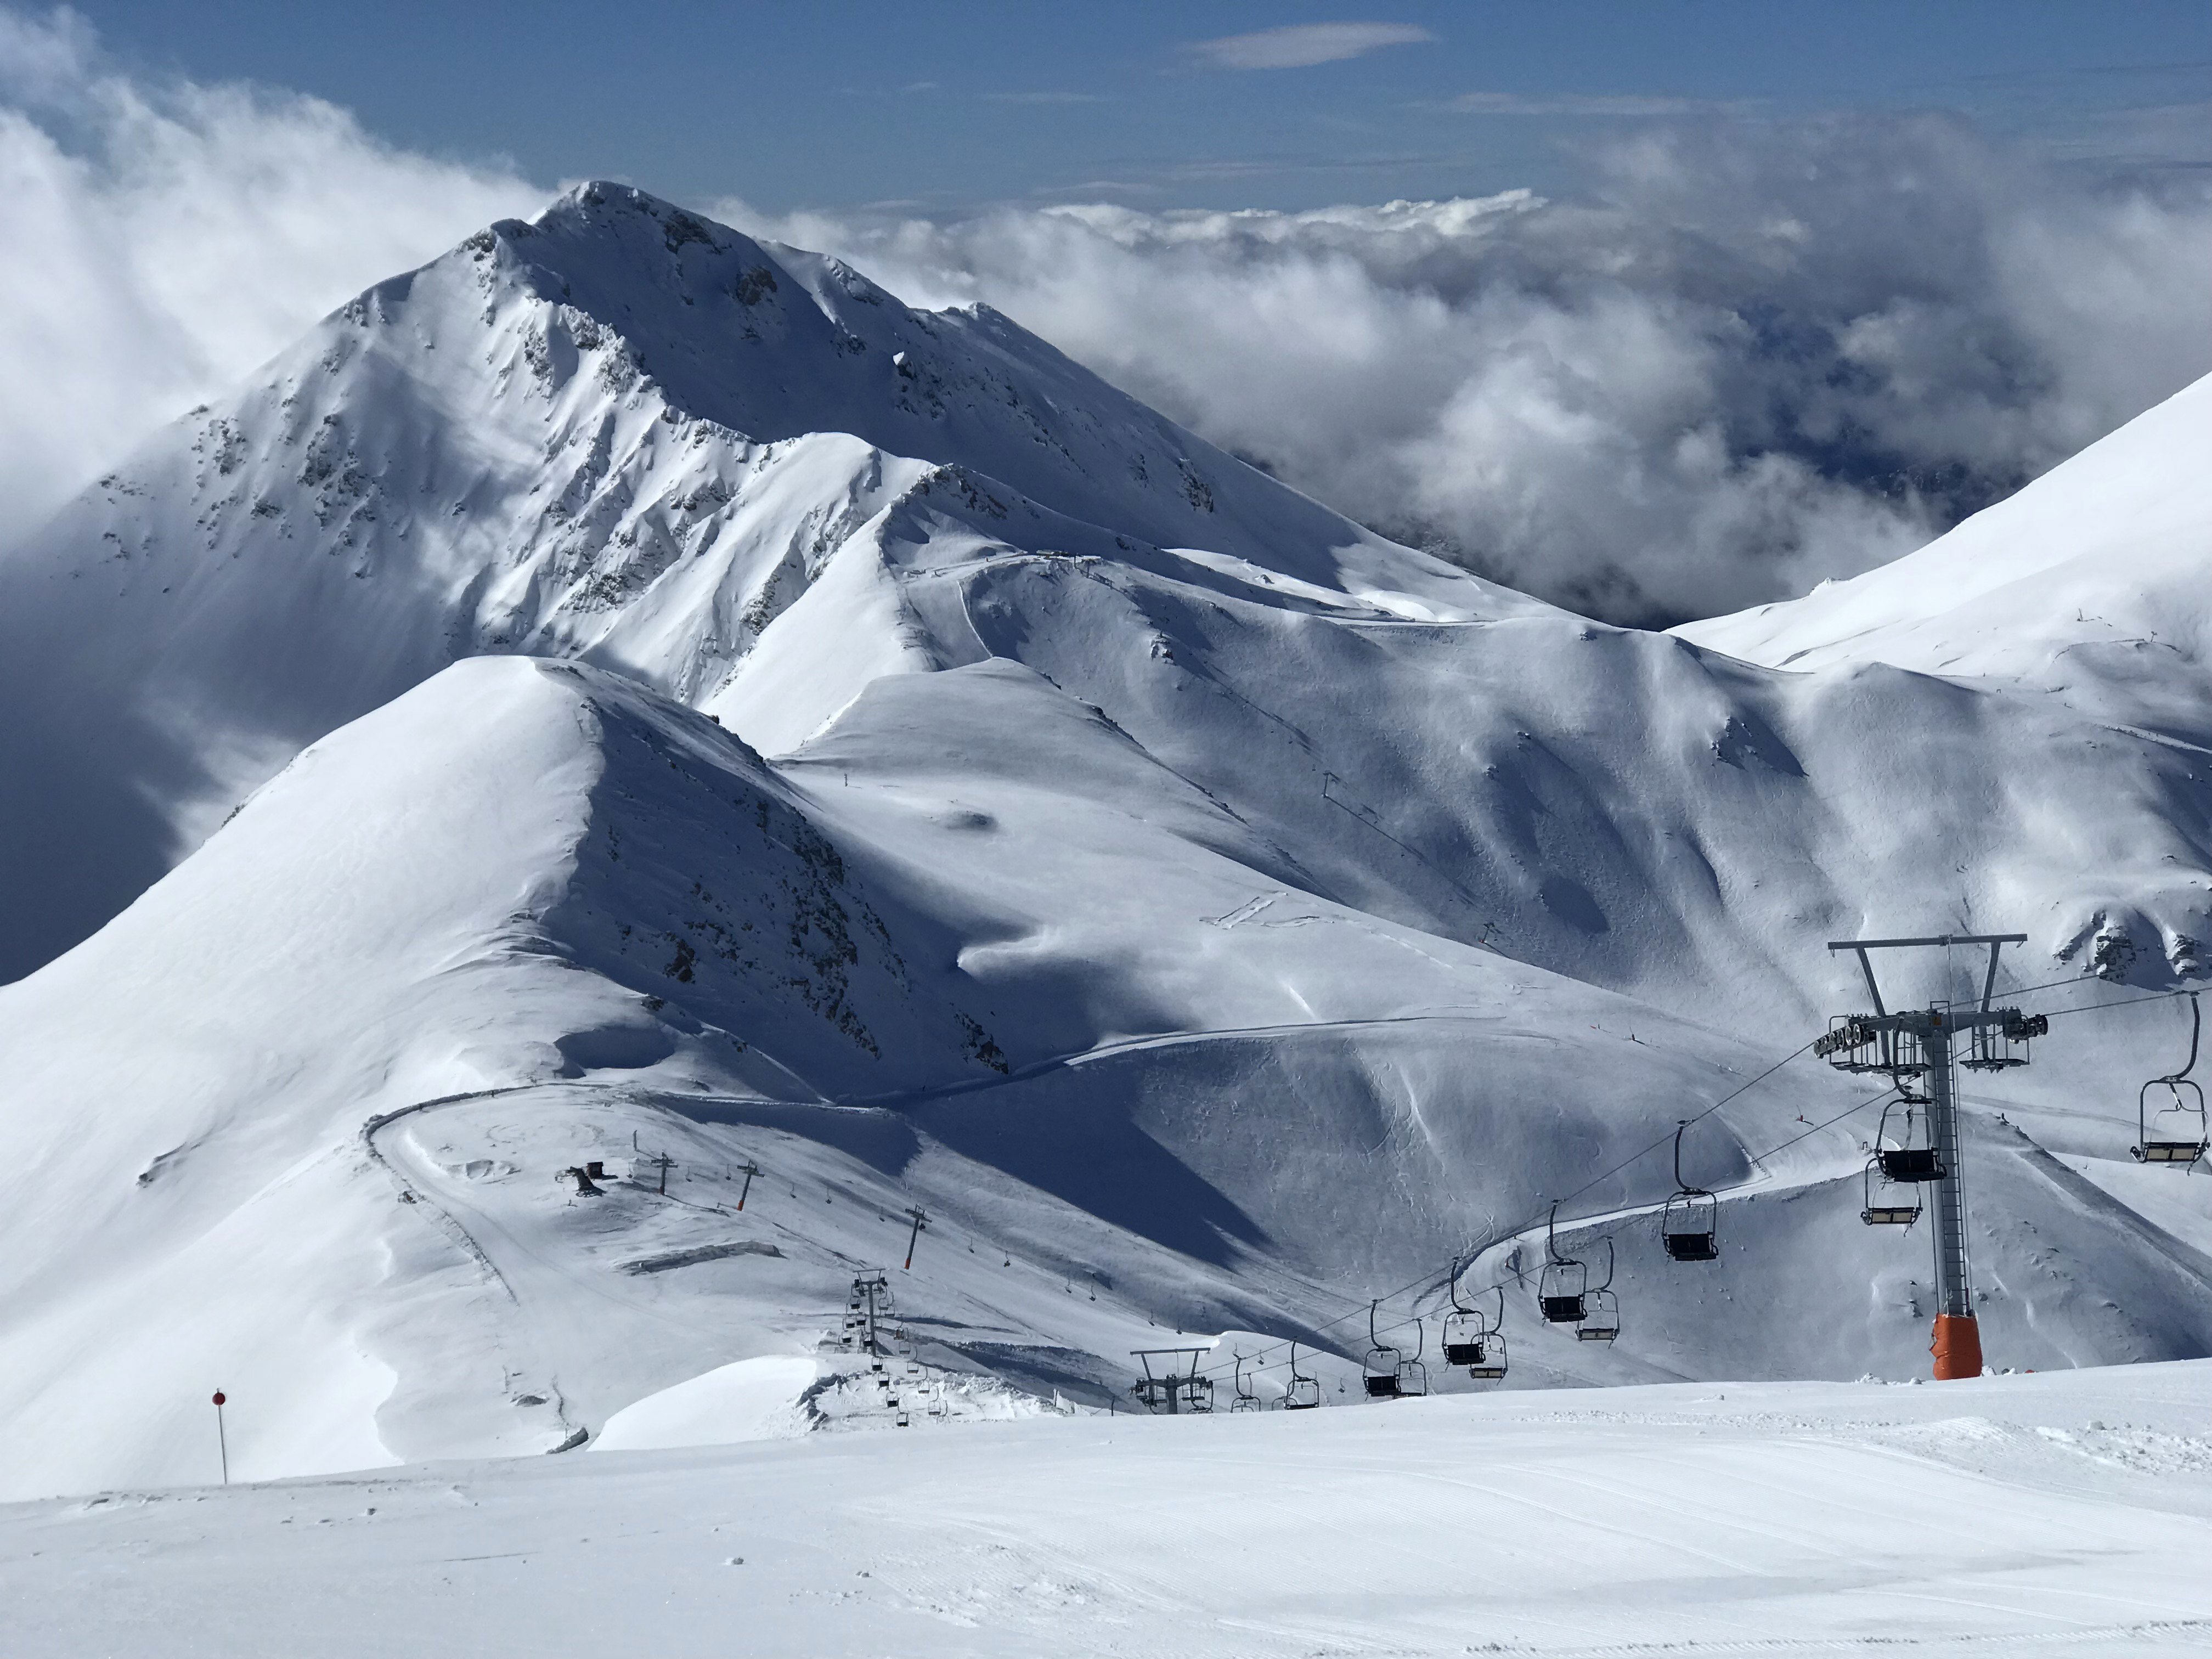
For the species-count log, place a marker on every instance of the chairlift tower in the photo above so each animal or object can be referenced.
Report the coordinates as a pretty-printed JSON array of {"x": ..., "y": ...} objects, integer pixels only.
[
  {"x": 871, "y": 1303},
  {"x": 1928, "y": 1043},
  {"x": 1178, "y": 1386}
]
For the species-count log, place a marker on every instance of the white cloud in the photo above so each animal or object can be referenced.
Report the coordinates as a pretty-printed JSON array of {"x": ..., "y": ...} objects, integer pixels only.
[
  {"x": 1300, "y": 46},
  {"x": 1763, "y": 355},
  {"x": 160, "y": 242},
  {"x": 1758, "y": 355}
]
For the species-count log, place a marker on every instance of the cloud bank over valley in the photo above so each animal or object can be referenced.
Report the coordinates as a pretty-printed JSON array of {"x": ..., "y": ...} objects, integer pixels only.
[{"x": 1749, "y": 356}]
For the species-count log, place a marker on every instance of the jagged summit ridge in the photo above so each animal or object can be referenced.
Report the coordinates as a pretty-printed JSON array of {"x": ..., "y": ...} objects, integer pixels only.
[{"x": 618, "y": 432}]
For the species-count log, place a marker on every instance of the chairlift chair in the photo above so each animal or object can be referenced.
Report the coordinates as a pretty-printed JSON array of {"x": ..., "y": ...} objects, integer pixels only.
[
  {"x": 1601, "y": 1321},
  {"x": 1563, "y": 1288},
  {"x": 1888, "y": 1203},
  {"x": 1413, "y": 1375},
  {"x": 2182, "y": 1137},
  {"x": 1468, "y": 1330},
  {"x": 1473, "y": 1338},
  {"x": 1383, "y": 1362},
  {"x": 1303, "y": 1393},
  {"x": 1902, "y": 1146},
  {"x": 1245, "y": 1400},
  {"x": 1689, "y": 1226},
  {"x": 1197, "y": 1392}
]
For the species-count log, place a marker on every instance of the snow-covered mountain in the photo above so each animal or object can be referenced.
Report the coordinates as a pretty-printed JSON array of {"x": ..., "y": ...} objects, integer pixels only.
[
  {"x": 2095, "y": 571},
  {"x": 686, "y": 701},
  {"x": 617, "y": 432}
]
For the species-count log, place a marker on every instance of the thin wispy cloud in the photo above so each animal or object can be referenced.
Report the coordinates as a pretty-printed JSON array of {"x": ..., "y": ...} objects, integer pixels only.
[
  {"x": 1044, "y": 98},
  {"x": 1599, "y": 104},
  {"x": 1300, "y": 45}
]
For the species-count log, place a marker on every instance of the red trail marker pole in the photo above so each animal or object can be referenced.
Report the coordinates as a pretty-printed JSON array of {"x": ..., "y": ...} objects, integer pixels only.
[{"x": 221, "y": 1441}]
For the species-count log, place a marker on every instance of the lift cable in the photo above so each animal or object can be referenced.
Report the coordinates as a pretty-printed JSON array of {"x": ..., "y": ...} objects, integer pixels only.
[{"x": 1429, "y": 1282}]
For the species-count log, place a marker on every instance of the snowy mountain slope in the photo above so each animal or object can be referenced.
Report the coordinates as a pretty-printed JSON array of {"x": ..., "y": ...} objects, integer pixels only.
[
  {"x": 617, "y": 431},
  {"x": 521, "y": 873},
  {"x": 974, "y": 950},
  {"x": 722, "y": 469},
  {"x": 2097, "y": 570},
  {"x": 1620, "y": 806}
]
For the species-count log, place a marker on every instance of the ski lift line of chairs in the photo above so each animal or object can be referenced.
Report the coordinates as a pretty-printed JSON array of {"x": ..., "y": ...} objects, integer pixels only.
[
  {"x": 1689, "y": 1226},
  {"x": 1473, "y": 1338},
  {"x": 2182, "y": 1134}
]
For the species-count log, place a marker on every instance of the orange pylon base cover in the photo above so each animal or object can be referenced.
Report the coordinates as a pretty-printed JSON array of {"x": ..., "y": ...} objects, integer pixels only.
[{"x": 1956, "y": 1347}]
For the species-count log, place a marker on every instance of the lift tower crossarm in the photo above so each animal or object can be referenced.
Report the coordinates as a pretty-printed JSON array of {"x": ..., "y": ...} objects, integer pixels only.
[{"x": 1995, "y": 941}]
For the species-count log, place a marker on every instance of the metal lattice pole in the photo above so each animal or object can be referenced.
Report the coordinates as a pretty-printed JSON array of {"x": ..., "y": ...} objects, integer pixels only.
[{"x": 1954, "y": 1291}]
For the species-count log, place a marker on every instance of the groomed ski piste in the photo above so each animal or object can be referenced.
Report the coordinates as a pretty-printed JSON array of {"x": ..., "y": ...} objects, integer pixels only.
[
  {"x": 2063, "y": 1514},
  {"x": 672, "y": 914}
]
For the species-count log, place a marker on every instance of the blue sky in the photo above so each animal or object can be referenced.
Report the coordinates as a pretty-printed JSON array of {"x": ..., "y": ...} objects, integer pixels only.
[{"x": 937, "y": 107}]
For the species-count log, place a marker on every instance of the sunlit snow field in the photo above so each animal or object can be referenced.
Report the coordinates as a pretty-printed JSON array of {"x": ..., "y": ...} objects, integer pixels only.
[{"x": 2058, "y": 1514}]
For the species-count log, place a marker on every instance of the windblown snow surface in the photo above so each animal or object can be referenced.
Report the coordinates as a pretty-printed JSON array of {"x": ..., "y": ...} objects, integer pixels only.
[{"x": 627, "y": 693}]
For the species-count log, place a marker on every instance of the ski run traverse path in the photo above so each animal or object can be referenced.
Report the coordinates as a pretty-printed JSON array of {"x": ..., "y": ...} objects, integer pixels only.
[{"x": 2060, "y": 1514}]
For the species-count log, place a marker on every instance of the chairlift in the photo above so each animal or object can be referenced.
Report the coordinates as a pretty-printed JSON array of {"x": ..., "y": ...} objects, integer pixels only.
[
  {"x": 1563, "y": 1288},
  {"x": 1303, "y": 1392},
  {"x": 1413, "y": 1375},
  {"x": 1246, "y": 1400},
  {"x": 1473, "y": 1338},
  {"x": 1688, "y": 1226},
  {"x": 1902, "y": 1146},
  {"x": 1601, "y": 1321},
  {"x": 1888, "y": 1203},
  {"x": 1383, "y": 1362},
  {"x": 2182, "y": 1137}
]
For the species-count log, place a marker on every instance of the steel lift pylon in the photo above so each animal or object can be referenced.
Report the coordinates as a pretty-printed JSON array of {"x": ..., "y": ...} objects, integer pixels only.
[{"x": 1929, "y": 1042}]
